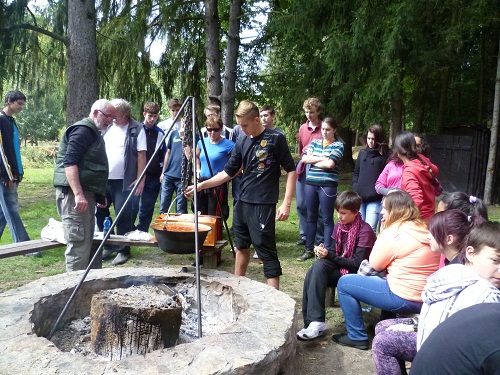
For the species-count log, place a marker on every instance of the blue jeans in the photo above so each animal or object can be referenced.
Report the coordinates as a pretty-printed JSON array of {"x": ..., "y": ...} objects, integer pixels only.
[
  {"x": 148, "y": 200},
  {"x": 373, "y": 290},
  {"x": 300, "y": 197},
  {"x": 319, "y": 197},
  {"x": 370, "y": 212},
  {"x": 10, "y": 213},
  {"x": 116, "y": 196},
  {"x": 168, "y": 186}
]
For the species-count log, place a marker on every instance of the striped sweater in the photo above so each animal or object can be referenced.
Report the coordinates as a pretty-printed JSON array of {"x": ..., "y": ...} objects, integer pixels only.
[{"x": 319, "y": 176}]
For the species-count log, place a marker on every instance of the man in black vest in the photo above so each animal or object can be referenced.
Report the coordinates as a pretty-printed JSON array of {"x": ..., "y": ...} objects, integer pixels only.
[
  {"x": 80, "y": 178},
  {"x": 154, "y": 136}
]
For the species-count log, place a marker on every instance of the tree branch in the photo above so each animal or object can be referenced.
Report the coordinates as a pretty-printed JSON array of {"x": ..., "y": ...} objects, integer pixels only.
[{"x": 37, "y": 29}]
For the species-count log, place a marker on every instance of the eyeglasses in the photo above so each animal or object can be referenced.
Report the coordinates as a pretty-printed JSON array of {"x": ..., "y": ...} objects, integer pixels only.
[
  {"x": 213, "y": 130},
  {"x": 107, "y": 116}
]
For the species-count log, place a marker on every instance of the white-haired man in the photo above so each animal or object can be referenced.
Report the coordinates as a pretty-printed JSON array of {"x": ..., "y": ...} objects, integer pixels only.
[{"x": 80, "y": 178}]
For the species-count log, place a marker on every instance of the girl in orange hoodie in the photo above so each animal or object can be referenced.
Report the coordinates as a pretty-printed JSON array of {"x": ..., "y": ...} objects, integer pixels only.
[{"x": 403, "y": 250}]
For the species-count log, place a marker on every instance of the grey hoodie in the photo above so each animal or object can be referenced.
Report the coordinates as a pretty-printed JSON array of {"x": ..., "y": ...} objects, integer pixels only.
[{"x": 449, "y": 290}]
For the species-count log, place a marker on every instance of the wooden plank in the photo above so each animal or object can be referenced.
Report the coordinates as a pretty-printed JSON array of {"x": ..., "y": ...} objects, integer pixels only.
[
  {"x": 27, "y": 247},
  {"x": 31, "y": 246},
  {"x": 115, "y": 239}
]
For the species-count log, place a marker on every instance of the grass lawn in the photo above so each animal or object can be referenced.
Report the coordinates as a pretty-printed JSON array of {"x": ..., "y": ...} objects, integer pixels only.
[{"x": 37, "y": 205}]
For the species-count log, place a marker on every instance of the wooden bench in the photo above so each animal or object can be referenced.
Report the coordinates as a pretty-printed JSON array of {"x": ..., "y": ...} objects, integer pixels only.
[{"x": 210, "y": 254}]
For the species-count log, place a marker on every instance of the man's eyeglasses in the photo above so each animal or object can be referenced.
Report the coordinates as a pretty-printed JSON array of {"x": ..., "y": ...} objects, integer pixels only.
[
  {"x": 106, "y": 115},
  {"x": 213, "y": 130}
]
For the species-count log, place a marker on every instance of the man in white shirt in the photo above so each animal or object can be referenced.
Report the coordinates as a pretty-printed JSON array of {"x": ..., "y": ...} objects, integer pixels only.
[
  {"x": 174, "y": 105},
  {"x": 126, "y": 147}
]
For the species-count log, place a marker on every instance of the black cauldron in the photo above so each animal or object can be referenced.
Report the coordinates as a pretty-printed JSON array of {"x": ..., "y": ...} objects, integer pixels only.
[{"x": 178, "y": 237}]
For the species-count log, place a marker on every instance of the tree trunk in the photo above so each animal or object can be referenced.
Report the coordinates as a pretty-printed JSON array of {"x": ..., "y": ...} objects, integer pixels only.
[
  {"x": 347, "y": 135},
  {"x": 81, "y": 52},
  {"x": 480, "y": 89},
  {"x": 419, "y": 101},
  {"x": 134, "y": 320},
  {"x": 490, "y": 169},
  {"x": 396, "y": 114},
  {"x": 233, "y": 45},
  {"x": 212, "y": 50},
  {"x": 443, "y": 99}
]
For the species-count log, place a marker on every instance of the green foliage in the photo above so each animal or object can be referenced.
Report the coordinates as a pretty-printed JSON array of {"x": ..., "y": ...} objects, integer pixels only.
[
  {"x": 39, "y": 156},
  {"x": 357, "y": 56},
  {"x": 40, "y": 123}
]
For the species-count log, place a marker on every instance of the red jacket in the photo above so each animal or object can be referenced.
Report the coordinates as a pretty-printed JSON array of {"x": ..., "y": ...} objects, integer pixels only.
[{"x": 417, "y": 182}]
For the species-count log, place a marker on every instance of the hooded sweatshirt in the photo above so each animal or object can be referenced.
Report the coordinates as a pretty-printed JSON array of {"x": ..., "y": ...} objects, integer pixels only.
[
  {"x": 449, "y": 290},
  {"x": 403, "y": 249},
  {"x": 368, "y": 167},
  {"x": 417, "y": 182}
]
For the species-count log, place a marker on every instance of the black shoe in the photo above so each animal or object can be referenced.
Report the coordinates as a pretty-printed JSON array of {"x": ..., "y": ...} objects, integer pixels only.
[
  {"x": 342, "y": 339},
  {"x": 301, "y": 242},
  {"x": 120, "y": 259},
  {"x": 108, "y": 253},
  {"x": 306, "y": 255},
  {"x": 200, "y": 261}
]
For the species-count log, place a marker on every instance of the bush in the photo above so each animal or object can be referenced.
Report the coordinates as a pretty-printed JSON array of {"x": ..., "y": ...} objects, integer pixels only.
[{"x": 39, "y": 156}]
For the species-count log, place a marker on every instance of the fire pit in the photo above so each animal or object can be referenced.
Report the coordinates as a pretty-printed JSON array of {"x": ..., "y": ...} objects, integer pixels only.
[{"x": 257, "y": 333}]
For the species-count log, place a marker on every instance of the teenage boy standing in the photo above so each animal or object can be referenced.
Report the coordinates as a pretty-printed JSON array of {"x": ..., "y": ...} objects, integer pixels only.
[
  {"x": 154, "y": 137},
  {"x": 308, "y": 131},
  {"x": 11, "y": 168},
  {"x": 261, "y": 153}
]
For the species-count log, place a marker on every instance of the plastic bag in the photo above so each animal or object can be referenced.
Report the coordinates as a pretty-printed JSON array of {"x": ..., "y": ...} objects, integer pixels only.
[
  {"x": 138, "y": 235},
  {"x": 53, "y": 231}
]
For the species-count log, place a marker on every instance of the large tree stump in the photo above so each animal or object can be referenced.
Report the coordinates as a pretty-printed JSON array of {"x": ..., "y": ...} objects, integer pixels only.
[{"x": 136, "y": 320}]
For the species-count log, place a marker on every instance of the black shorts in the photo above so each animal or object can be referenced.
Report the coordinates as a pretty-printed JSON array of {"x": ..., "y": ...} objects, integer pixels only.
[{"x": 255, "y": 224}]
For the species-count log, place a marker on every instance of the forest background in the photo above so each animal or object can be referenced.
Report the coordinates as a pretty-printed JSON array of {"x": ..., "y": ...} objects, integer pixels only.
[{"x": 409, "y": 65}]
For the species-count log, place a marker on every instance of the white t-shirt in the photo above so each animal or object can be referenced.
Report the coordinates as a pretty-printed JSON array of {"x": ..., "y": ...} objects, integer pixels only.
[
  {"x": 165, "y": 125},
  {"x": 114, "y": 139}
]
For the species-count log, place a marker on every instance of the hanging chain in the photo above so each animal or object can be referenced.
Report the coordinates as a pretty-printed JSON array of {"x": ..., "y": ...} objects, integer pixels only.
[{"x": 187, "y": 126}]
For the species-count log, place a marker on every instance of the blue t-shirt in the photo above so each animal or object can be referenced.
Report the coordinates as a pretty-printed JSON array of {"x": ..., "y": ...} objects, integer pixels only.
[
  {"x": 218, "y": 154},
  {"x": 174, "y": 163}
]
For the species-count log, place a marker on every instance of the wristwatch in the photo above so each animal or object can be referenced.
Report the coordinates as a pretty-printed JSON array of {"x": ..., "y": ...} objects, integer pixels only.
[{"x": 412, "y": 321}]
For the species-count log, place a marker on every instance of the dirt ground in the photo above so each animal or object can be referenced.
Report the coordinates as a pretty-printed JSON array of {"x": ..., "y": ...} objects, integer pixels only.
[{"x": 322, "y": 355}]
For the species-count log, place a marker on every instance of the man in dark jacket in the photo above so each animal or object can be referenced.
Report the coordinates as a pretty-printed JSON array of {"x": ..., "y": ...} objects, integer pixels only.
[
  {"x": 154, "y": 137},
  {"x": 80, "y": 178}
]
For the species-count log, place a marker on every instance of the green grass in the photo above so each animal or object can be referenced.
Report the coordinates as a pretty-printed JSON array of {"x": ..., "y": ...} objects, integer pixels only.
[{"x": 37, "y": 205}]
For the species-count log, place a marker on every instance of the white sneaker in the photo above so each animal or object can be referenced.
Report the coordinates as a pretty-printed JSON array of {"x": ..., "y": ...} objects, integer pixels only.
[{"x": 314, "y": 330}]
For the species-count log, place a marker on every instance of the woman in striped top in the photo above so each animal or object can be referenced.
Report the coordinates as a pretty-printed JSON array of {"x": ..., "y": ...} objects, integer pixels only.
[{"x": 321, "y": 158}]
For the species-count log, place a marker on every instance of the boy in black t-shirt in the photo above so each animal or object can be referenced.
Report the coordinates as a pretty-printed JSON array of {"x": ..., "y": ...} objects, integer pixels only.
[{"x": 261, "y": 154}]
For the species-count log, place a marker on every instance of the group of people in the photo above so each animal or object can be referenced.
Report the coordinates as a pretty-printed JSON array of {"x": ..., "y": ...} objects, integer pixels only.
[
  {"x": 101, "y": 158},
  {"x": 401, "y": 270},
  {"x": 421, "y": 269}
]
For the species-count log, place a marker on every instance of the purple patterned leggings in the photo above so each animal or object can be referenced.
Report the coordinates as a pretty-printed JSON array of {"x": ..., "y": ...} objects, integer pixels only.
[{"x": 392, "y": 348}]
